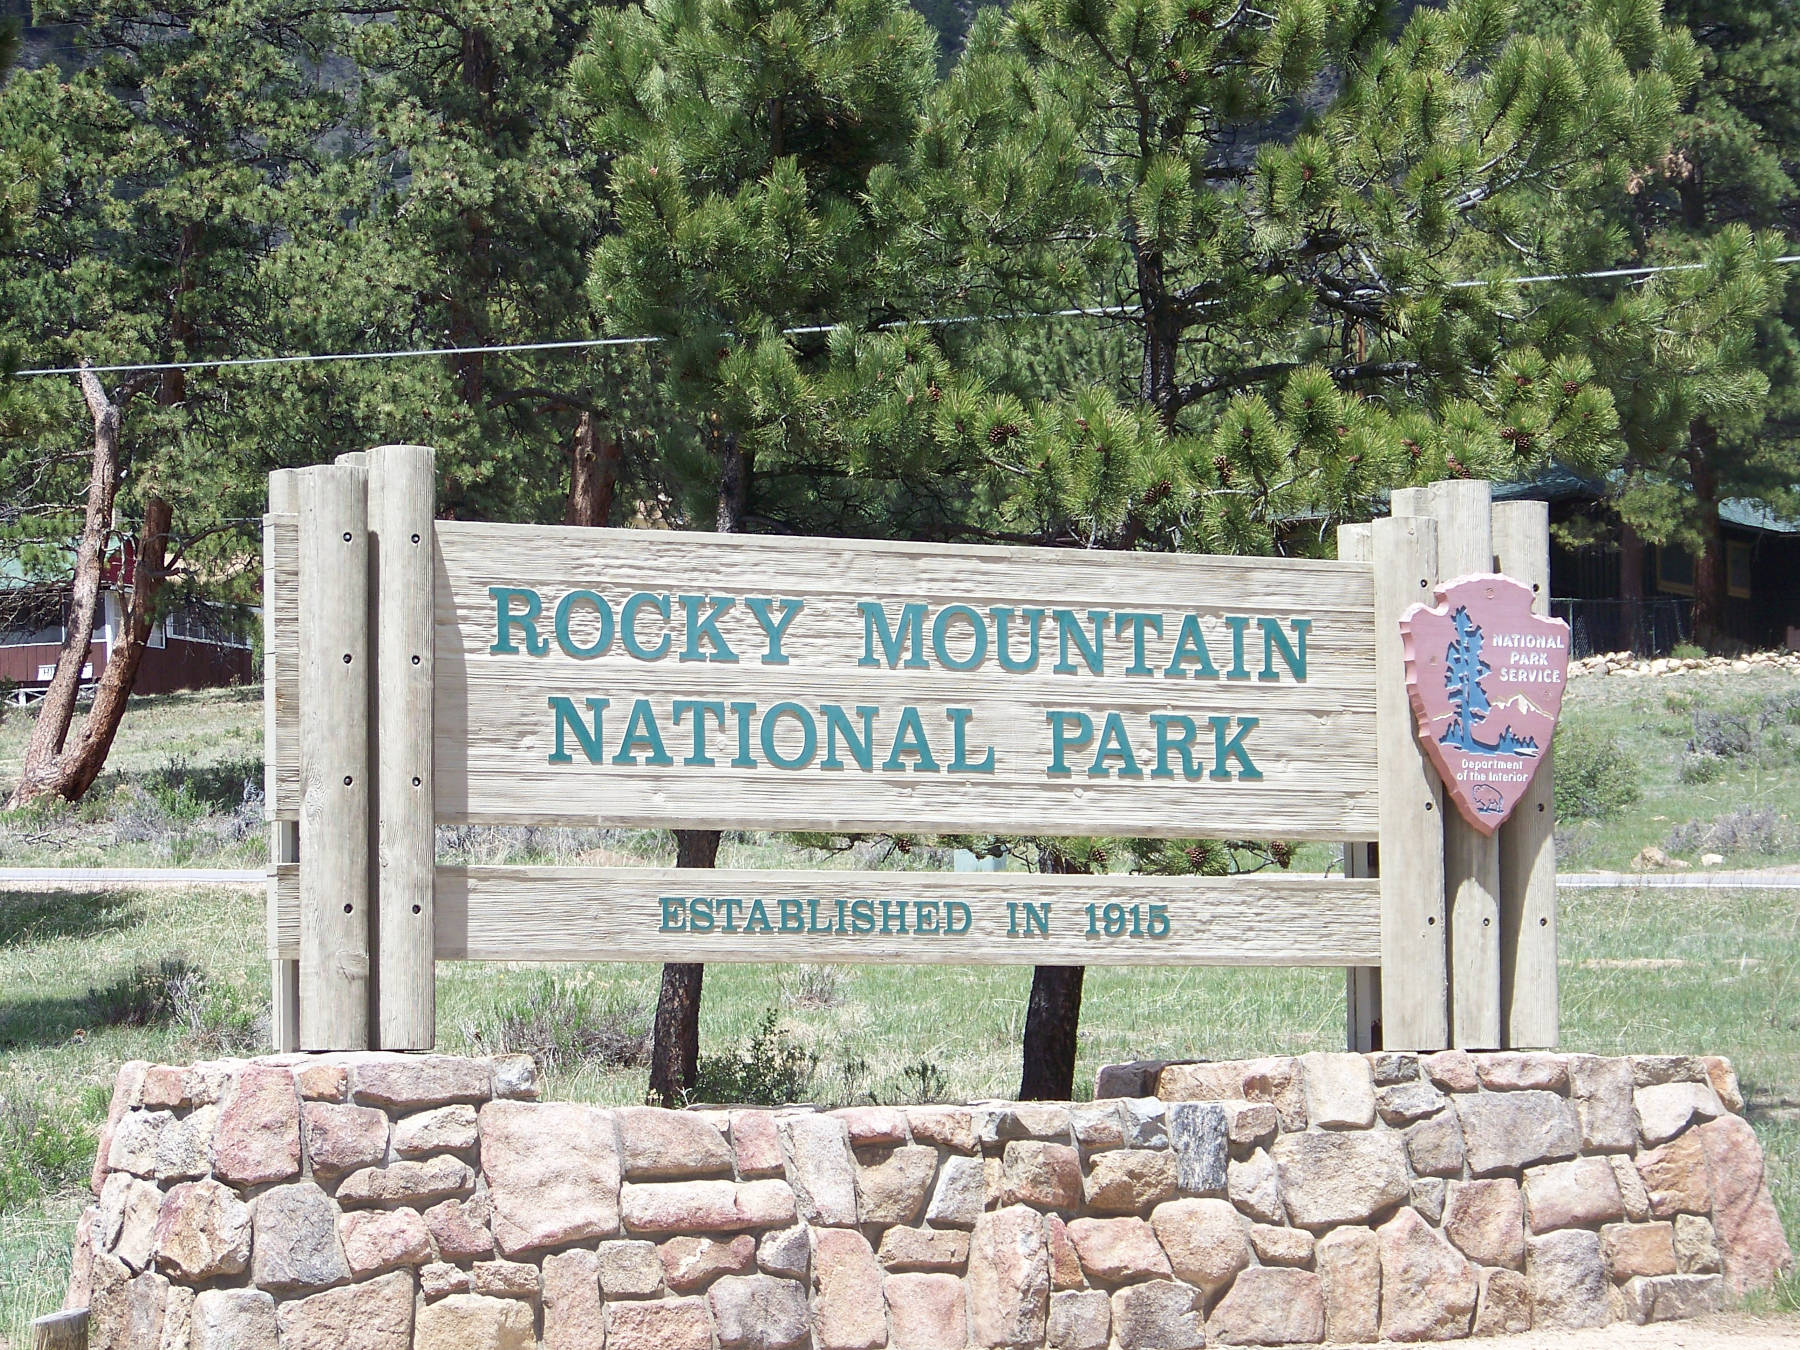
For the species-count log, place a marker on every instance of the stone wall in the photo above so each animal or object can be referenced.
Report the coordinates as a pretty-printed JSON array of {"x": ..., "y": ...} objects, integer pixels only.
[{"x": 383, "y": 1202}]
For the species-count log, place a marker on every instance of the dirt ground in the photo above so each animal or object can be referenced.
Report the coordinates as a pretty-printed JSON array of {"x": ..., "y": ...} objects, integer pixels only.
[{"x": 1727, "y": 1331}]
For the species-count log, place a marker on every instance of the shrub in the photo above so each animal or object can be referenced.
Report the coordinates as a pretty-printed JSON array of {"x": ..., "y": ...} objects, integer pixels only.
[
  {"x": 1701, "y": 768},
  {"x": 565, "y": 1027},
  {"x": 1724, "y": 735},
  {"x": 771, "y": 1069},
  {"x": 1595, "y": 777},
  {"x": 41, "y": 1151},
  {"x": 1688, "y": 651},
  {"x": 1749, "y": 832},
  {"x": 148, "y": 995}
]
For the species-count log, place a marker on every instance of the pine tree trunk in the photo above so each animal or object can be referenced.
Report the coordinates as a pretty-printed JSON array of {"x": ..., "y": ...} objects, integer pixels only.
[
  {"x": 49, "y": 767},
  {"x": 1709, "y": 567},
  {"x": 1052, "y": 1020},
  {"x": 675, "y": 1038},
  {"x": 593, "y": 474},
  {"x": 1631, "y": 583}
]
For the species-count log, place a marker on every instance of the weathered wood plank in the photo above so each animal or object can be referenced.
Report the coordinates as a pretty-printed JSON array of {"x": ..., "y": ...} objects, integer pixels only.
[
  {"x": 1528, "y": 977},
  {"x": 402, "y": 499},
  {"x": 1362, "y": 984},
  {"x": 1462, "y": 509},
  {"x": 585, "y": 914},
  {"x": 61, "y": 1331},
  {"x": 334, "y": 753},
  {"x": 281, "y": 753},
  {"x": 495, "y": 731},
  {"x": 1414, "y": 1013}
]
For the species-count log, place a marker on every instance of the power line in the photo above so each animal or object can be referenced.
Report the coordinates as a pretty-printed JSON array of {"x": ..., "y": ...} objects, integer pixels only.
[{"x": 579, "y": 344}]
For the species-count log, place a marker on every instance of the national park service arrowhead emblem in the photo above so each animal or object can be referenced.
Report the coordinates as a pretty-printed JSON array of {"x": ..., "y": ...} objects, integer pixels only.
[{"x": 1486, "y": 679}]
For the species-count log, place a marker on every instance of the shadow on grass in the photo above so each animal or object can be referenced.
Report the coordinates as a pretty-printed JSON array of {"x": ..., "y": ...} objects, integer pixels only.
[
  {"x": 153, "y": 993},
  {"x": 38, "y": 916}
]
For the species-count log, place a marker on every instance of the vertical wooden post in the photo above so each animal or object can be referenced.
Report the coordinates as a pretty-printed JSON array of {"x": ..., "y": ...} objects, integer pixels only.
[
  {"x": 335, "y": 654},
  {"x": 402, "y": 504},
  {"x": 1528, "y": 981},
  {"x": 1362, "y": 984},
  {"x": 1413, "y": 1009},
  {"x": 284, "y": 835}
]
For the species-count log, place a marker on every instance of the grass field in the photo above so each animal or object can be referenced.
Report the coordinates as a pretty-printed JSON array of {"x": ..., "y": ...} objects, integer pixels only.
[{"x": 88, "y": 980}]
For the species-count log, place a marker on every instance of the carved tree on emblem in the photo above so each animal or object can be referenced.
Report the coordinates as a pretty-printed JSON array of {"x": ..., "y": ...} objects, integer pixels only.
[{"x": 1463, "y": 672}]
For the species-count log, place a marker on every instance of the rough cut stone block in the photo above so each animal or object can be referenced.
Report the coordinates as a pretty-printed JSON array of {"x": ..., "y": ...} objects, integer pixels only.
[
  {"x": 1568, "y": 1279},
  {"x": 1099, "y": 1126},
  {"x": 294, "y": 1243},
  {"x": 1197, "y": 1134},
  {"x": 1451, "y": 1070},
  {"x": 133, "y": 1143},
  {"x": 1428, "y": 1198},
  {"x": 515, "y": 1077},
  {"x": 1207, "y": 1241},
  {"x": 573, "y": 1316},
  {"x": 1724, "y": 1080},
  {"x": 664, "y": 1145},
  {"x": 691, "y": 1263},
  {"x": 1340, "y": 1092},
  {"x": 1574, "y": 1194},
  {"x": 1676, "y": 1177},
  {"x": 1435, "y": 1146},
  {"x": 257, "y": 1139},
  {"x": 926, "y": 1312},
  {"x": 659, "y": 1207},
  {"x": 755, "y": 1312},
  {"x": 444, "y": 1129},
  {"x": 629, "y": 1269},
  {"x": 822, "y": 1171},
  {"x": 408, "y": 1182},
  {"x": 765, "y": 1204},
  {"x": 848, "y": 1312},
  {"x": 374, "y": 1315},
  {"x": 1157, "y": 1315},
  {"x": 1248, "y": 1124},
  {"x": 957, "y": 1202},
  {"x": 667, "y": 1324},
  {"x": 1631, "y": 1187},
  {"x": 1696, "y": 1247},
  {"x": 1114, "y": 1250},
  {"x": 342, "y": 1139},
  {"x": 892, "y": 1183},
  {"x": 1504, "y": 1131},
  {"x": 475, "y": 1322},
  {"x": 1638, "y": 1249},
  {"x": 1512, "y": 1071},
  {"x": 1505, "y": 1307},
  {"x": 1485, "y": 1220},
  {"x": 1667, "y": 1298},
  {"x": 1134, "y": 1079},
  {"x": 1754, "y": 1247},
  {"x": 1393, "y": 1066},
  {"x": 1279, "y": 1246},
  {"x": 438, "y": 1279},
  {"x": 906, "y": 1249},
  {"x": 460, "y": 1228},
  {"x": 1406, "y": 1102},
  {"x": 1275, "y": 1080},
  {"x": 1080, "y": 1319},
  {"x": 757, "y": 1145},
  {"x": 1427, "y": 1288},
  {"x": 1270, "y": 1307},
  {"x": 1349, "y": 1265},
  {"x": 1329, "y": 1178},
  {"x": 1130, "y": 1180},
  {"x": 787, "y": 1252},
  {"x": 129, "y": 1211},
  {"x": 322, "y": 1082},
  {"x": 1649, "y": 1070},
  {"x": 944, "y": 1126},
  {"x": 552, "y": 1173},
  {"x": 1254, "y": 1186},
  {"x": 1604, "y": 1103},
  {"x": 1065, "y": 1262},
  {"x": 411, "y": 1082},
  {"x": 1046, "y": 1176},
  {"x": 164, "y": 1088},
  {"x": 232, "y": 1319},
  {"x": 873, "y": 1126},
  {"x": 1048, "y": 1121},
  {"x": 1146, "y": 1122},
  {"x": 1665, "y": 1109},
  {"x": 1009, "y": 1277},
  {"x": 380, "y": 1239},
  {"x": 505, "y": 1279}
]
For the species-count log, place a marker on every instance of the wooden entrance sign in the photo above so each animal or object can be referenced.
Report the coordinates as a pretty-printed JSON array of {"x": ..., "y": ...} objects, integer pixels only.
[{"x": 442, "y": 672}]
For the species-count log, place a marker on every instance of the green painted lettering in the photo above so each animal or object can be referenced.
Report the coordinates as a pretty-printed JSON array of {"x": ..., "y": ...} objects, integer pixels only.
[
  {"x": 957, "y": 919},
  {"x": 1234, "y": 747},
  {"x": 1190, "y": 645},
  {"x": 1114, "y": 744},
  {"x": 758, "y": 920},
  {"x": 909, "y": 739},
  {"x": 1061, "y": 742},
  {"x": 700, "y": 914},
  {"x": 1137, "y": 622},
  {"x": 641, "y": 733},
  {"x": 875, "y": 628},
  {"x": 862, "y": 916},
  {"x": 672, "y": 910},
  {"x": 1237, "y": 623},
  {"x": 1166, "y": 744},
  {"x": 1273, "y": 637},
  {"x": 774, "y": 629},
  {"x": 526, "y": 620},
  {"x": 699, "y": 708},
  {"x": 793, "y": 916},
  {"x": 940, "y": 628},
  {"x": 628, "y": 634},
  {"x": 959, "y": 735},
  {"x": 743, "y": 759},
  {"x": 809, "y": 736},
  {"x": 1092, "y": 653},
  {"x": 601, "y": 609},
  {"x": 861, "y": 748},
  {"x": 705, "y": 627},
  {"x": 567, "y": 718},
  {"x": 1002, "y": 619}
]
